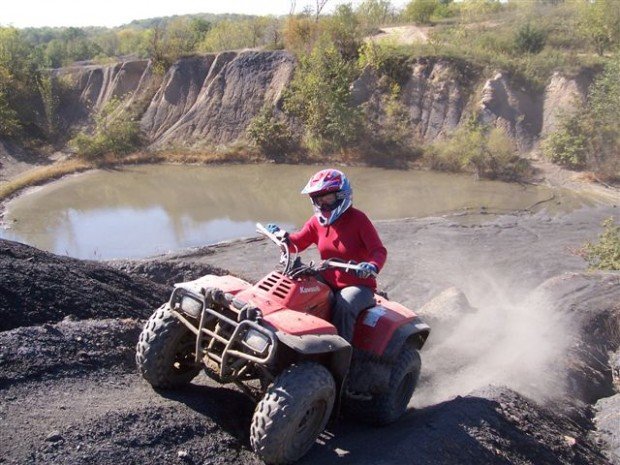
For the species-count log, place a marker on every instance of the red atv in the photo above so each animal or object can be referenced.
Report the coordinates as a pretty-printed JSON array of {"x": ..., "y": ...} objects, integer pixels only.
[{"x": 275, "y": 341}]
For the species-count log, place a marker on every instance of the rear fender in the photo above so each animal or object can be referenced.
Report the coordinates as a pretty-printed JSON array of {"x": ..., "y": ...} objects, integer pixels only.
[
  {"x": 382, "y": 330},
  {"x": 415, "y": 332}
]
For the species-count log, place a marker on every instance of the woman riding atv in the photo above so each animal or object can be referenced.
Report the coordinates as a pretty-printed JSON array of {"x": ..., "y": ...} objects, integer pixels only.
[{"x": 342, "y": 232}]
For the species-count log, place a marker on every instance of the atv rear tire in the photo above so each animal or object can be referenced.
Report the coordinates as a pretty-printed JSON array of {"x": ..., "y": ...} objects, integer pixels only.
[
  {"x": 165, "y": 351},
  {"x": 389, "y": 406},
  {"x": 292, "y": 413}
]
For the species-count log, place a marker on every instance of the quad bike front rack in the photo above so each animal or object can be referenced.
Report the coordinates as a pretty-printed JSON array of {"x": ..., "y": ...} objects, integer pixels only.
[{"x": 223, "y": 340}]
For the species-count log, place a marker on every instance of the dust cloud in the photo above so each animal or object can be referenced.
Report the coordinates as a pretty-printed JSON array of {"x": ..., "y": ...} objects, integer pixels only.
[{"x": 512, "y": 337}]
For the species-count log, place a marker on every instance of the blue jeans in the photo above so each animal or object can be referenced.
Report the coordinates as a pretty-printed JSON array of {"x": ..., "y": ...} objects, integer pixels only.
[{"x": 349, "y": 303}]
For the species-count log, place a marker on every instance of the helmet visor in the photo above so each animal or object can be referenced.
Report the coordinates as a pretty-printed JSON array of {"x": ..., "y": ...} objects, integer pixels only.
[{"x": 326, "y": 202}]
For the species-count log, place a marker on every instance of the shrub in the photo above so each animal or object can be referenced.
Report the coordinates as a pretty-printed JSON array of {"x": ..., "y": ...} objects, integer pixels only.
[
  {"x": 388, "y": 138},
  {"x": 530, "y": 39},
  {"x": 116, "y": 132},
  {"x": 271, "y": 135},
  {"x": 387, "y": 60},
  {"x": 473, "y": 147},
  {"x": 605, "y": 253},
  {"x": 590, "y": 137},
  {"x": 568, "y": 145}
]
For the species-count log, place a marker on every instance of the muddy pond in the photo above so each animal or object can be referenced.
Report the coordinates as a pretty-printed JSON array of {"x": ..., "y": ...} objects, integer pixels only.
[{"x": 145, "y": 210}]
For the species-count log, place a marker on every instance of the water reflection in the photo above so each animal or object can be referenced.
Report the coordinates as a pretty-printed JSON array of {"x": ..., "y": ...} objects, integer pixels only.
[{"x": 151, "y": 209}]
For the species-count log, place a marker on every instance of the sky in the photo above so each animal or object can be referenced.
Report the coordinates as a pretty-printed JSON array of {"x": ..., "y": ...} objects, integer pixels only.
[{"x": 110, "y": 13}]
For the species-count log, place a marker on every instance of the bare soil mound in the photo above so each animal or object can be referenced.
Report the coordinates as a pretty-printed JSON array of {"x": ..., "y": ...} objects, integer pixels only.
[
  {"x": 67, "y": 349},
  {"x": 37, "y": 287}
]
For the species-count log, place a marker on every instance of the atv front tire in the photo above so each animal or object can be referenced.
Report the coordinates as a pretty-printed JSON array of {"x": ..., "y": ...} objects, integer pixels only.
[
  {"x": 165, "y": 351},
  {"x": 292, "y": 414},
  {"x": 382, "y": 409}
]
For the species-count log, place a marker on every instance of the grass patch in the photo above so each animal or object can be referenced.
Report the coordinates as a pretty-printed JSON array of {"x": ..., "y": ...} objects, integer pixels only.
[
  {"x": 42, "y": 175},
  {"x": 38, "y": 176}
]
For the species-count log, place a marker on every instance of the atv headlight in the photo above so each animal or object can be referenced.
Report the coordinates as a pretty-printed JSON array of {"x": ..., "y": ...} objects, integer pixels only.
[
  {"x": 256, "y": 341},
  {"x": 191, "y": 306}
]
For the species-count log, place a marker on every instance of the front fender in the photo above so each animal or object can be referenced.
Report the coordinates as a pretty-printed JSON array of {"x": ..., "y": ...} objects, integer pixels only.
[
  {"x": 315, "y": 344},
  {"x": 337, "y": 350},
  {"x": 297, "y": 323},
  {"x": 227, "y": 284}
]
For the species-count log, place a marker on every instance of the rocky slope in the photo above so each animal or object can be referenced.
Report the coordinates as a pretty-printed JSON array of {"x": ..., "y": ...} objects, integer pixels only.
[
  {"x": 523, "y": 344},
  {"x": 206, "y": 100},
  {"x": 209, "y": 100}
]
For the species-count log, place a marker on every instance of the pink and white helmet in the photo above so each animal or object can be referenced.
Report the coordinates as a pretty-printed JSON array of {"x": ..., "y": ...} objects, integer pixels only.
[{"x": 325, "y": 182}]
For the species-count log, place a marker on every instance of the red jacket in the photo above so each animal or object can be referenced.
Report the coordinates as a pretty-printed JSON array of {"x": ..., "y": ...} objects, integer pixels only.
[{"x": 350, "y": 237}]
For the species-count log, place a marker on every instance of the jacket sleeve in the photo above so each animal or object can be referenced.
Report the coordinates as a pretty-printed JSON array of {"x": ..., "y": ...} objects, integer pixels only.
[
  {"x": 377, "y": 253},
  {"x": 305, "y": 237}
]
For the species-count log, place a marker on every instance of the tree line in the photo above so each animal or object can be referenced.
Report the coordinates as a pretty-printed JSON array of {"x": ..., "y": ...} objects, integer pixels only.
[{"x": 533, "y": 39}]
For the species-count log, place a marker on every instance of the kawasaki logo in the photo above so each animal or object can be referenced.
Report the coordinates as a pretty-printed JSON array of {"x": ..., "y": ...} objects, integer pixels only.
[{"x": 306, "y": 290}]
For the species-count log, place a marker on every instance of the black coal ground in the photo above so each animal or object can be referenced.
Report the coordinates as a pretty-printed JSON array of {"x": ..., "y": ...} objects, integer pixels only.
[{"x": 69, "y": 393}]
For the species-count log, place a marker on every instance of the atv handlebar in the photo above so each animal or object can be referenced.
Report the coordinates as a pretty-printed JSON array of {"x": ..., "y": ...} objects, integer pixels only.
[
  {"x": 289, "y": 265},
  {"x": 285, "y": 257},
  {"x": 350, "y": 267}
]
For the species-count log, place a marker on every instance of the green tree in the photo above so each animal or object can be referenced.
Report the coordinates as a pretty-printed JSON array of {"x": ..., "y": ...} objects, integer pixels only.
[
  {"x": 344, "y": 31},
  {"x": 300, "y": 34},
  {"x": 108, "y": 43},
  {"x": 18, "y": 83},
  {"x": 600, "y": 24},
  {"x": 590, "y": 137},
  {"x": 14, "y": 54},
  {"x": 604, "y": 114},
  {"x": 320, "y": 96},
  {"x": 56, "y": 53},
  {"x": 199, "y": 28},
  {"x": 568, "y": 145},
  {"x": 228, "y": 35},
  {"x": 374, "y": 13},
  {"x": 10, "y": 125},
  {"x": 134, "y": 42},
  {"x": 179, "y": 39},
  {"x": 420, "y": 11},
  {"x": 50, "y": 98}
]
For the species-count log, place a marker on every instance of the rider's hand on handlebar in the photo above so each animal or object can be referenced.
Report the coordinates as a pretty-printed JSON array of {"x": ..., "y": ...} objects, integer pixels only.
[
  {"x": 280, "y": 234},
  {"x": 272, "y": 228},
  {"x": 366, "y": 270}
]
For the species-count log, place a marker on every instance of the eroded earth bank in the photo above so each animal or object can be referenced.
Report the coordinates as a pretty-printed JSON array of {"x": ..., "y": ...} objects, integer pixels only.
[{"x": 521, "y": 366}]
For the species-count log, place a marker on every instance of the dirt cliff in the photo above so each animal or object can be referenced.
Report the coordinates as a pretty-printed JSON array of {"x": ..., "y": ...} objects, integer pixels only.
[
  {"x": 209, "y": 100},
  {"x": 202, "y": 100}
]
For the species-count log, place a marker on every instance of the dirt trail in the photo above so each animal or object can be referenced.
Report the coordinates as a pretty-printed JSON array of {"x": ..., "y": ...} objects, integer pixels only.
[{"x": 69, "y": 393}]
